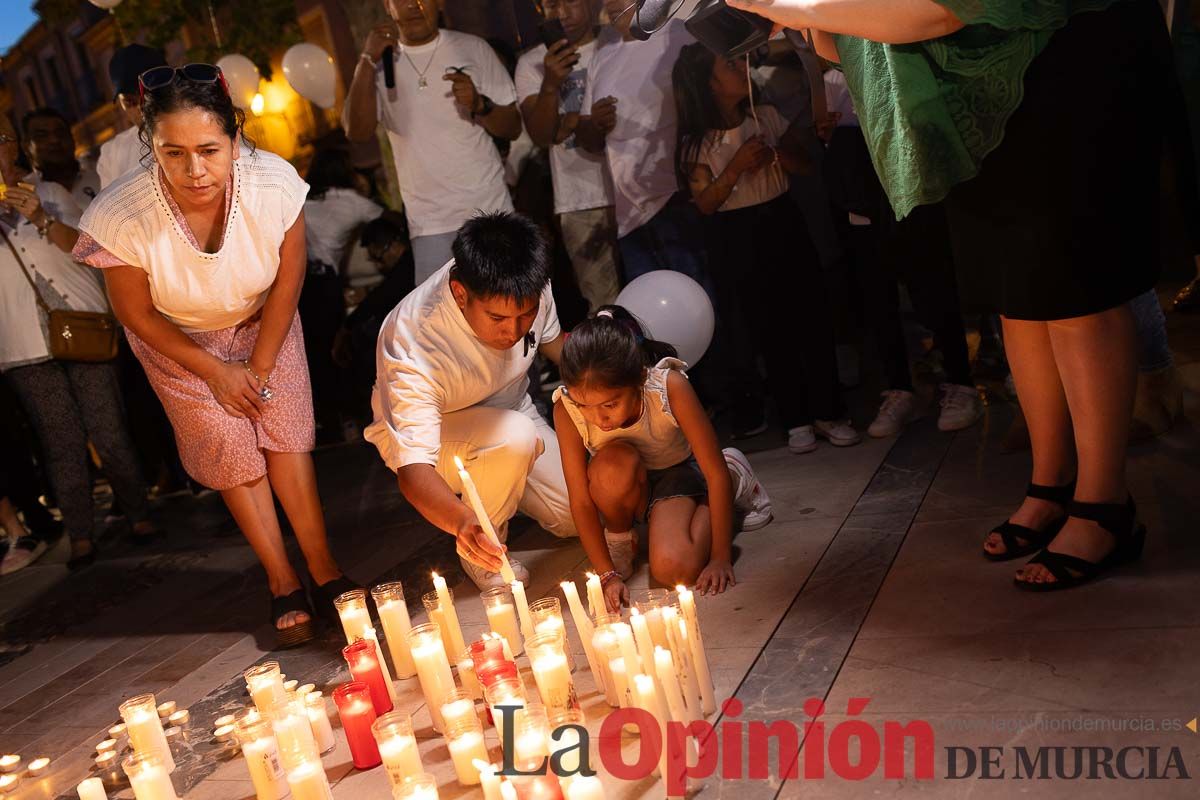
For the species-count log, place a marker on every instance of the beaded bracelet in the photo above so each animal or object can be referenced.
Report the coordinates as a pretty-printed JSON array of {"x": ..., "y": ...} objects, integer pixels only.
[{"x": 608, "y": 576}]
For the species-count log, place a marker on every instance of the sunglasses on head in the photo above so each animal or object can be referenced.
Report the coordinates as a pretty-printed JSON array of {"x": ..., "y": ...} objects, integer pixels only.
[{"x": 158, "y": 77}]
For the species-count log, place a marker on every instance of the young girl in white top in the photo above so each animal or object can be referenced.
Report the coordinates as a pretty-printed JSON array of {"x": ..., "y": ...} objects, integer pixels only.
[
  {"x": 637, "y": 446},
  {"x": 203, "y": 256},
  {"x": 734, "y": 158}
]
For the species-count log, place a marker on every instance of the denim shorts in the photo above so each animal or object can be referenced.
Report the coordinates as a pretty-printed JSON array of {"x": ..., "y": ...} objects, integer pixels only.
[{"x": 682, "y": 480}]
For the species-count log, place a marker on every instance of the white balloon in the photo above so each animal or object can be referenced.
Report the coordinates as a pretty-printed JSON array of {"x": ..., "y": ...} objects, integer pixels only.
[
  {"x": 242, "y": 77},
  {"x": 310, "y": 71},
  {"x": 107, "y": 5},
  {"x": 672, "y": 308}
]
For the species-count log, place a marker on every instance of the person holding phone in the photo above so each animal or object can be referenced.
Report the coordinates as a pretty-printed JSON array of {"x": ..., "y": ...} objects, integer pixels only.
[
  {"x": 451, "y": 96},
  {"x": 551, "y": 80}
]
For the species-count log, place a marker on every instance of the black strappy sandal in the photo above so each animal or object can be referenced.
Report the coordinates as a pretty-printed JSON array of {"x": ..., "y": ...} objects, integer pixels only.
[
  {"x": 1035, "y": 540},
  {"x": 324, "y": 595},
  {"x": 1070, "y": 571},
  {"x": 296, "y": 634}
]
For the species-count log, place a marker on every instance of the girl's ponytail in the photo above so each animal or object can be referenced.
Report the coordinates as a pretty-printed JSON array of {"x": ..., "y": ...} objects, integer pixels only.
[{"x": 611, "y": 349}]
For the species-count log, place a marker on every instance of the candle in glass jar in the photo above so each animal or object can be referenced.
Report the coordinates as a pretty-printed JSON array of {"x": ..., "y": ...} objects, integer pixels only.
[
  {"x": 687, "y": 606},
  {"x": 352, "y": 611},
  {"x": 585, "y": 787},
  {"x": 363, "y": 660},
  {"x": 620, "y": 676},
  {"x": 397, "y": 747},
  {"x": 466, "y": 745},
  {"x": 261, "y": 751},
  {"x": 293, "y": 730},
  {"x": 489, "y": 779},
  {"x": 605, "y": 649},
  {"x": 422, "y": 787},
  {"x": 501, "y": 610},
  {"x": 145, "y": 728},
  {"x": 357, "y": 714},
  {"x": 565, "y": 738},
  {"x": 433, "y": 668},
  {"x": 522, "y": 603},
  {"x": 91, "y": 789},
  {"x": 646, "y": 692},
  {"x": 551, "y": 672},
  {"x": 149, "y": 776},
  {"x": 393, "y": 615},
  {"x": 467, "y": 676},
  {"x": 664, "y": 667},
  {"x": 265, "y": 683},
  {"x": 306, "y": 778},
  {"x": 458, "y": 707},
  {"x": 318, "y": 720},
  {"x": 687, "y": 669}
]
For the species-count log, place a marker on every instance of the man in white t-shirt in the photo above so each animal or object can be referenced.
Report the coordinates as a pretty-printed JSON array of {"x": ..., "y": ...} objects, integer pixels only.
[
  {"x": 452, "y": 365},
  {"x": 550, "y": 85},
  {"x": 123, "y": 152},
  {"x": 50, "y": 148},
  {"x": 631, "y": 121},
  {"x": 451, "y": 96}
]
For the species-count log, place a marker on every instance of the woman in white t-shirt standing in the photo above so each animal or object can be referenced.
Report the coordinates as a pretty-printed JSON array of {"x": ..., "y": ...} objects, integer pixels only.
[
  {"x": 734, "y": 157},
  {"x": 204, "y": 258}
]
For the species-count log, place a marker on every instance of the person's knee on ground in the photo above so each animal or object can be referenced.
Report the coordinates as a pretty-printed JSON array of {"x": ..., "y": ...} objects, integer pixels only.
[
  {"x": 615, "y": 479},
  {"x": 675, "y": 565}
]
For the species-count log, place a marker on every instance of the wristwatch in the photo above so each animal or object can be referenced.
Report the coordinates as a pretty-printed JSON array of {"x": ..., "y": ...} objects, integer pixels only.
[{"x": 486, "y": 106}]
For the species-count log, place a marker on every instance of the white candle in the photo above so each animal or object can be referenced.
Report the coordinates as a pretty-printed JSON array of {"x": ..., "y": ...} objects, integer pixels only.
[
  {"x": 401, "y": 758},
  {"x": 665, "y": 668},
  {"x": 166, "y": 709},
  {"x": 8, "y": 783},
  {"x": 38, "y": 767},
  {"x": 489, "y": 779},
  {"x": 604, "y": 647},
  {"x": 422, "y": 787},
  {"x": 468, "y": 678},
  {"x": 628, "y": 649},
  {"x": 518, "y": 590},
  {"x": 595, "y": 593},
  {"x": 552, "y": 674},
  {"x": 502, "y": 619},
  {"x": 221, "y": 722},
  {"x": 369, "y": 633},
  {"x": 145, "y": 728},
  {"x": 446, "y": 602},
  {"x": 508, "y": 791},
  {"x": 647, "y": 699},
  {"x": 569, "y": 742},
  {"x": 10, "y": 763},
  {"x": 465, "y": 749},
  {"x": 687, "y": 604},
  {"x": 585, "y": 629},
  {"x": 91, "y": 789},
  {"x": 266, "y": 773},
  {"x": 304, "y": 689},
  {"x": 433, "y": 669},
  {"x": 691, "y": 687},
  {"x": 152, "y": 782},
  {"x": 225, "y": 733},
  {"x": 180, "y": 717},
  {"x": 106, "y": 746},
  {"x": 308, "y": 782},
  {"x": 352, "y": 611},
  {"x": 393, "y": 615},
  {"x": 293, "y": 730},
  {"x": 318, "y": 720},
  {"x": 106, "y": 760},
  {"x": 265, "y": 683},
  {"x": 620, "y": 676},
  {"x": 458, "y": 710},
  {"x": 658, "y": 631},
  {"x": 485, "y": 522},
  {"x": 508, "y": 652},
  {"x": 585, "y": 787},
  {"x": 117, "y": 731}
]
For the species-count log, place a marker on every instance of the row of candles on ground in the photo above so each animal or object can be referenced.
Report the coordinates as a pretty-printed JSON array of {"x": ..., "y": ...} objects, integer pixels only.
[{"x": 13, "y": 768}]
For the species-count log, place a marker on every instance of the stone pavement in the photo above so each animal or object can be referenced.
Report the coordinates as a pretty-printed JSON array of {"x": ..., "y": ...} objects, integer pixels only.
[{"x": 868, "y": 584}]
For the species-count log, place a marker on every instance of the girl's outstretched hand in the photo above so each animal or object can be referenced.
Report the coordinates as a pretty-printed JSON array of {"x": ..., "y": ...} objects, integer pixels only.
[
  {"x": 616, "y": 594},
  {"x": 715, "y": 578}
]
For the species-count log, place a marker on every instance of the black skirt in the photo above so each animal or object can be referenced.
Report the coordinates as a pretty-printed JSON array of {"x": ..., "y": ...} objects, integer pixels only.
[{"x": 1062, "y": 220}]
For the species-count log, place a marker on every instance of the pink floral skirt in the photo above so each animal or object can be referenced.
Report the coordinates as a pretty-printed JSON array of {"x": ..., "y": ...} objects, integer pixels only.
[{"x": 223, "y": 451}]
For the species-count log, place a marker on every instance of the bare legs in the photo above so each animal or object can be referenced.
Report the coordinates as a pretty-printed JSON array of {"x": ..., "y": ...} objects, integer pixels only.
[
  {"x": 680, "y": 527},
  {"x": 253, "y": 508},
  {"x": 1074, "y": 376}
]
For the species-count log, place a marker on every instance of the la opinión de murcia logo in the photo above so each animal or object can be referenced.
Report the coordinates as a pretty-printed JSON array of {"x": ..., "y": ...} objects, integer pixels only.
[{"x": 853, "y": 749}]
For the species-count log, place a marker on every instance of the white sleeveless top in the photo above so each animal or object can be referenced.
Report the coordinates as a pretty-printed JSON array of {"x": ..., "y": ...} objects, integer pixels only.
[
  {"x": 200, "y": 291},
  {"x": 655, "y": 435}
]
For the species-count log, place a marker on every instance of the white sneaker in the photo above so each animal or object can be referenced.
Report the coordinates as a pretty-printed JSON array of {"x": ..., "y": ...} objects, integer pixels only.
[
  {"x": 895, "y": 412},
  {"x": 840, "y": 433},
  {"x": 961, "y": 407},
  {"x": 490, "y": 580},
  {"x": 622, "y": 547},
  {"x": 802, "y": 439},
  {"x": 749, "y": 496},
  {"x": 21, "y": 553}
]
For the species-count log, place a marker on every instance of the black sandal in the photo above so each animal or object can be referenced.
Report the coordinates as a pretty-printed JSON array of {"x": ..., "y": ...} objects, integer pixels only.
[
  {"x": 296, "y": 634},
  {"x": 1035, "y": 540},
  {"x": 1070, "y": 571},
  {"x": 324, "y": 595}
]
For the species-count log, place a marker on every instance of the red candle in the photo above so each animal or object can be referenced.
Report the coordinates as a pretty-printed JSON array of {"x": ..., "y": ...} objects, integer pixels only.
[
  {"x": 364, "y": 667},
  {"x": 357, "y": 713},
  {"x": 496, "y": 671},
  {"x": 486, "y": 652}
]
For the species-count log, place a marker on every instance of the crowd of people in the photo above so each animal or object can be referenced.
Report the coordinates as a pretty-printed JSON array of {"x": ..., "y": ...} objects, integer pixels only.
[{"x": 262, "y": 312}]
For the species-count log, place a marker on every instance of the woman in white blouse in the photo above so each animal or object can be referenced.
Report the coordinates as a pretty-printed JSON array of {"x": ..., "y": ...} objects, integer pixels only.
[{"x": 204, "y": 258}]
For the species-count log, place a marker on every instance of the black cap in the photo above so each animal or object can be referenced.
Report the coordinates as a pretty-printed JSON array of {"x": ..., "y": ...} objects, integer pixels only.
[{"x": 131, "y": 61}]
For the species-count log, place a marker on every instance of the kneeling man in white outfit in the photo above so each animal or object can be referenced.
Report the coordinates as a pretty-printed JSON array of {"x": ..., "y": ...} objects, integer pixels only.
[{"x": 452, "y": 367}]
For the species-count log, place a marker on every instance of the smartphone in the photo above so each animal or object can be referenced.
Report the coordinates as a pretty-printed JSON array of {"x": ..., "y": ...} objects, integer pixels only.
[{"x": 551, "y": 31}]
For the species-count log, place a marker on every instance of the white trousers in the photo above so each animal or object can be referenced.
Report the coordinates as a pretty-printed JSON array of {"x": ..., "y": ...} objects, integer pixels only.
[{"x": 514, "y": 460}]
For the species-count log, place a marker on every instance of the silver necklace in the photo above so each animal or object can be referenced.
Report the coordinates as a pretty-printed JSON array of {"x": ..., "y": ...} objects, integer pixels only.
[{"x": 421, "y": 82}]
